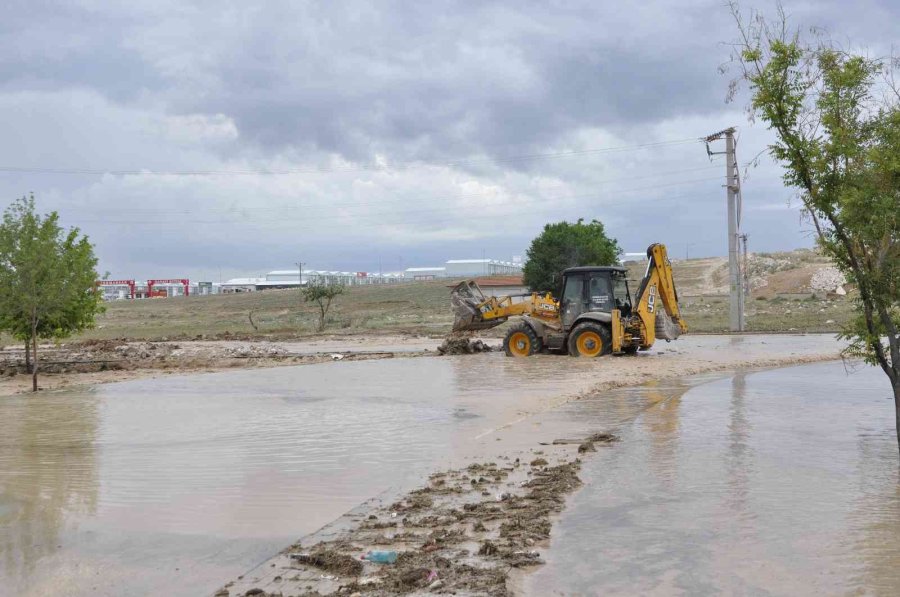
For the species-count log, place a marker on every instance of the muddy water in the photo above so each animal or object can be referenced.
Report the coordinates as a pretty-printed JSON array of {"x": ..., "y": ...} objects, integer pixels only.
[
  {"x": 172, "y": 486},
  {"x": 780, "y": 482}
]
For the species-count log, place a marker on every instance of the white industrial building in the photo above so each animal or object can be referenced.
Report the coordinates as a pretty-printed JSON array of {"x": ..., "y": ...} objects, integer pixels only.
[
  {"x": 291, "y": 279},
  {"x": 465, "y": 268},
  {"x": 424, "y": 273}
]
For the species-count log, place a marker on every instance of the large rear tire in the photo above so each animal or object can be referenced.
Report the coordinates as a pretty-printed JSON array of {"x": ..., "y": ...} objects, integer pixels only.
[
  {"x": 590, "y": 340},
  {"x": 521, "y": 341}
]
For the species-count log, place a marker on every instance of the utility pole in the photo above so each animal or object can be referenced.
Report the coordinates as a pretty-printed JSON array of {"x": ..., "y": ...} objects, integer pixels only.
[
  {"x": 300, "y": 265},
  {"x": 687, "y": 250},
  {"x": 745, "y": 266},
  {"x": 733, "y": 194}
]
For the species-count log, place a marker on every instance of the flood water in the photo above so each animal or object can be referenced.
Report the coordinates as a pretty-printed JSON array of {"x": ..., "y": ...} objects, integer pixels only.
[
  {"x": 782, "y": 482},
  {"x": 175, "y": 485}
]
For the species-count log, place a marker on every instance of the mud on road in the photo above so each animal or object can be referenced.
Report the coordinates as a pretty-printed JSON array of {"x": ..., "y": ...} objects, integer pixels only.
[{"x": 462, "y": 533}]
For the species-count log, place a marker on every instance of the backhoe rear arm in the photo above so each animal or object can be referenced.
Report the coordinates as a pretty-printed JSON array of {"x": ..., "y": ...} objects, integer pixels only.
[{"x": 657, "y": 286}]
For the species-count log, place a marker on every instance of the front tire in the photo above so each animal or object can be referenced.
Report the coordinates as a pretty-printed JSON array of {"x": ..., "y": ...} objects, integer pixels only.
[
  {"x": 521, "y": 341},
  {"x": 590, "y": 340}
]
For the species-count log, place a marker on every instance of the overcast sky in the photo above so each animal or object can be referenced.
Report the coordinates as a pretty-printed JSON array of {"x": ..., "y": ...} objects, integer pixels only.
[{"x": 231, "y": 138}]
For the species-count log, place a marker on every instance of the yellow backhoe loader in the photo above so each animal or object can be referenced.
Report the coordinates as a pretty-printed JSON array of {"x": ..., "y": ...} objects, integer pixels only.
[{"x": 594, "y": 315}]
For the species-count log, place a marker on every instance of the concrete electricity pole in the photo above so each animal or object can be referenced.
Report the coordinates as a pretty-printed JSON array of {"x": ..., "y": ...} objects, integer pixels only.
[
  {"x": 300, "y": 265},
  {"x": 745, "y": 268},
  {"x": 733, "y": 192}
]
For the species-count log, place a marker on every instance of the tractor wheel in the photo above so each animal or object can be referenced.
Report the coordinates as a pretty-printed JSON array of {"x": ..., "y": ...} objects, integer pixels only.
[
  {"x": 590, "y": 339},
  {"x": 521, "y": 341}
]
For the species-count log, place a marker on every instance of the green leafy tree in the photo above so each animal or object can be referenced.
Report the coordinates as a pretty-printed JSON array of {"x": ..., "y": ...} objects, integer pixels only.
[
  {"x": 322, "y": 295},
  {"x": 563, "y": 245},
  {"x": 47, "y": 278},
  {"x": 836, "y": 117}
]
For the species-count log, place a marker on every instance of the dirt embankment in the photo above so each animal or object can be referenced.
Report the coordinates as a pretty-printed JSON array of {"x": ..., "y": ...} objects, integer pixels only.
[{"x": 93, "y": 362}]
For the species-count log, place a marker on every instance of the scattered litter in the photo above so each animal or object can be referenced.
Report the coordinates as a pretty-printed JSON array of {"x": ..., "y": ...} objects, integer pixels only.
[
  {"x": 336, "y": 357},
  {"x": 380, "y": 557}
]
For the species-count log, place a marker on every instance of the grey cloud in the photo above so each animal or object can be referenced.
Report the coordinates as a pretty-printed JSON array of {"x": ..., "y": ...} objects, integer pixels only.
[{"x": 98, "y": 86}]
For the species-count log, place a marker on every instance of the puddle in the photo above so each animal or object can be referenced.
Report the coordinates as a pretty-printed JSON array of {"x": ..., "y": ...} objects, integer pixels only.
[{"x": 777, "y": 482}]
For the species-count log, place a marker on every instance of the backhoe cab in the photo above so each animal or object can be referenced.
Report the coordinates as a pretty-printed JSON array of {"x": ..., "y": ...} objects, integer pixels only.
[{"x": 594, "y": 315}]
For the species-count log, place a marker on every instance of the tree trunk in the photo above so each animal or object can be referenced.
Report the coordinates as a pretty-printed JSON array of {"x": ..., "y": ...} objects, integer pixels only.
[
  {"x": 28, "y": 356},
  {"x": 897, "y": 410},
  {"x": 34, "y": 370}
]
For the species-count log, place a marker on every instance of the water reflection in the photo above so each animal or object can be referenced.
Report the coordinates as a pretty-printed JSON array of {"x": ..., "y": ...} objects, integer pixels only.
[
  {"x": 661, "y": 422},
  {"x": 740, "y": 458},
  {"x": 48, "y": 475},
  {"x": 781, "y": 482}
]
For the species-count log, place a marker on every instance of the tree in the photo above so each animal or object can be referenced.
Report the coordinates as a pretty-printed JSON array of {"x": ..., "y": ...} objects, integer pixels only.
[
  {"x": 836, "y": 117},
  {"x": 564, "y": 245},
  {"x": 322, "y": 295},
  {"x": 47, "y": 278}
]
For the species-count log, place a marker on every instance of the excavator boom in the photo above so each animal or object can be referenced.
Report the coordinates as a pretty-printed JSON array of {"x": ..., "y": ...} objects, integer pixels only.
[{"x": 658, "y": 286}]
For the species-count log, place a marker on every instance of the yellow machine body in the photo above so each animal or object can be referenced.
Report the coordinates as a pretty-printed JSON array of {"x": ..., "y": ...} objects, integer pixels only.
[{"x": 594, "y": 315}]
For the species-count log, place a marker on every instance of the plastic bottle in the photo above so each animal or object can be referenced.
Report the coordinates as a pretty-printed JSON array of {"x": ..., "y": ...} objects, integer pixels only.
[{"x": 381, "y": 557}]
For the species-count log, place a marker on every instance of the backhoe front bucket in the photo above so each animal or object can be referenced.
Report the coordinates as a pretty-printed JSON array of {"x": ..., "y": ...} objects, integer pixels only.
[{"x": 465, "y": 300}]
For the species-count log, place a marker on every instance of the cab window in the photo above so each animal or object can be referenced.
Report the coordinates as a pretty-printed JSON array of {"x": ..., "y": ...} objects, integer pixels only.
[
  {"x": 620, "y": 293},
  {"x": 573, "y": 290},
  {"x": 600, "y": 293}
]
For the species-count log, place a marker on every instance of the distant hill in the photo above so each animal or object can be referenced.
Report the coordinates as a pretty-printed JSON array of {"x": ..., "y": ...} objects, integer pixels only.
[{"x": 771, "y": 274}]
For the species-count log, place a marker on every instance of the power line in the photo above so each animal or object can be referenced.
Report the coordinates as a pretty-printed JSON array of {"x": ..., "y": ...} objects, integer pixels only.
[
  {"x": 399, "y": 199},
  {"x": 431, "y": 224},
  {"x": 323, "y": 170},
  {"x": 456, "y": 208}
]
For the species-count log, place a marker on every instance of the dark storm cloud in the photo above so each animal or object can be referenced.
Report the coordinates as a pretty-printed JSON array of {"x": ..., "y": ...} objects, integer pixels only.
[
  {"x": 414, "y": 79},
  {"x": 47, "y": 46},
  {"x": 421, "y": 78},
  {"x": 411, "y": 79}
]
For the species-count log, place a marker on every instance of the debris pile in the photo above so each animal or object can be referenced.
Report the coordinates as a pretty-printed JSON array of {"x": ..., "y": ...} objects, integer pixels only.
[
  {"x": 254, "y": 351},
  {"x": 828, "y": 279},
  {"x": 456, "y": 344}
]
